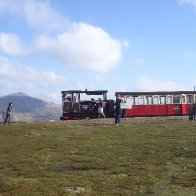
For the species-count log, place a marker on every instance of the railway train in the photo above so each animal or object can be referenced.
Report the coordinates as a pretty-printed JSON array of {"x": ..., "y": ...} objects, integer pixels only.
[{"x": 134, "y": 104}]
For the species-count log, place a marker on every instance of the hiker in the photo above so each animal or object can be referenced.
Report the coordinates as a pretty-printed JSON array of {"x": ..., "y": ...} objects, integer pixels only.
[{"x": 9, "y": 110}]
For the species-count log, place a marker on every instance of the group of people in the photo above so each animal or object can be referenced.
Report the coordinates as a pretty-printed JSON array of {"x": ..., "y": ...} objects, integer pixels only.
[{"x": 117, "y": 110}]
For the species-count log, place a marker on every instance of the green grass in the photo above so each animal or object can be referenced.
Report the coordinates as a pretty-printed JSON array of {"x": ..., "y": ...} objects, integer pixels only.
[{"x": 95, "y": 157}]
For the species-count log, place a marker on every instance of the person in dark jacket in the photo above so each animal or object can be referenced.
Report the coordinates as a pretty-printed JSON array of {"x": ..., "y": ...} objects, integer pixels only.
[
  {"x": 194, "y": 111},
  {"x": 9, "y": 110},
  {"x": 117, "y": 110}
]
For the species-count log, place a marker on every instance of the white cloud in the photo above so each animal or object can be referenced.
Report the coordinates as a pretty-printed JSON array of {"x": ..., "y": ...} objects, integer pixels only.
[
  {"x": 10, "y": 6},
  {"x": 37, "y": 14},
  {"x": 188, "y": 2},
  {"x": 41, "y": 15},
  {"x": 16, "y": 76},
  {"x": 10, "y": 43},
  {"x": 84, "y": 46},
  {"x": 145, "y": 83},
  {"x": 78, "y": 45}
]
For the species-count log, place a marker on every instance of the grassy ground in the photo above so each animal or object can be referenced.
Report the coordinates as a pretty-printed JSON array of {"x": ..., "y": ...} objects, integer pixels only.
[{"x": 154, "y": 156}]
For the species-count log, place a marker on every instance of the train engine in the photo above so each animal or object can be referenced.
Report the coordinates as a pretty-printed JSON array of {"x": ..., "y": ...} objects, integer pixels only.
[{"x": 78, "y": 104}]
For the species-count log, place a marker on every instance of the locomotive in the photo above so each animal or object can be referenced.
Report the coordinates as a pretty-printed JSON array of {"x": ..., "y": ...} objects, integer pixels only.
[{"x": 76, "y": 107}]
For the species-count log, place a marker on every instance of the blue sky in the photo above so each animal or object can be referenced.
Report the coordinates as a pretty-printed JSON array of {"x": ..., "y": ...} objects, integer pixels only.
[{"x": 115, "y": 45}]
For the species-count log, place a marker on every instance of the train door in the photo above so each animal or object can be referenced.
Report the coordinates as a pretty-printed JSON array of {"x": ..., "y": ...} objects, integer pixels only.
[
  {"x": 163, "y": 107},
  {"x": 189, "y": 102},
  {"x": 170, "y": 106},
  {"x": 156, "y": 102},
  {"x": 177, "y": 105},
  {"x": 149, "y": 106}
]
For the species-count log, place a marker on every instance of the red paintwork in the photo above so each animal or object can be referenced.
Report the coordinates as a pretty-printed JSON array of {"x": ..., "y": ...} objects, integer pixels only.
[{"x": 158, "y": 110}]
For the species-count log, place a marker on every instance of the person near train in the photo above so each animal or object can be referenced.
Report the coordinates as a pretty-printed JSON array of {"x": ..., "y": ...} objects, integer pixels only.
[
  {"x": 100, "y": 109},
  {"x": 192, "y": 112},
  {"x": 124, "y": 114},
  {"x": 8, "y": 113},
  {"x": 117, "y": 111}
]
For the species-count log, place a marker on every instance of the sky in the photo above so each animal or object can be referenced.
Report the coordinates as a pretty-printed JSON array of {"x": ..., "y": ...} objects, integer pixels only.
[{"x": 49, "y": 46}]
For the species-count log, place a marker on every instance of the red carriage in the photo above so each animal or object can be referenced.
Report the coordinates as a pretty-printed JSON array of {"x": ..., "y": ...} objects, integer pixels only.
[{"x": 161, "y": 103}]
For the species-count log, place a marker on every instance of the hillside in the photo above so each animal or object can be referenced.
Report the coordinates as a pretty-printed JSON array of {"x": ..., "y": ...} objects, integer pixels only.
[
  {"x": 26, "y": 108},
  {"x": 95, "y": 157}
]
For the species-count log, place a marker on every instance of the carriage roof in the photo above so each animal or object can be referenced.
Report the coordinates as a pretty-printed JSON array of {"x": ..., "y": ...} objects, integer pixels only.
[{"x": 154, "y": 93}]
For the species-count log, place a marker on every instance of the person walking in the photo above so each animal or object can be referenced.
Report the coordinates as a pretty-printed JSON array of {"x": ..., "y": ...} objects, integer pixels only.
[
  {"x": 117, "y": 110},
  {"x": 100, "y": 109},
  {"x": 9, "y": 110}
]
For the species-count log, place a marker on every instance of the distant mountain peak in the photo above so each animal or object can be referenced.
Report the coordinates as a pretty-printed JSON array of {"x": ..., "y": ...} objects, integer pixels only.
[
  {"x": 27, "y": 108},
  {"x": 19, "y": 94}
]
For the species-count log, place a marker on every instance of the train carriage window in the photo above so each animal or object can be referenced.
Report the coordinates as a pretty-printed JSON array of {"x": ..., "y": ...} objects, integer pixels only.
[
  {"x": 176, "y": 99},
  {"x": 162, "y": 99},
  {"x": 169, "y": 99},
  {"x": 183, "y": 99},
  {"x": 142, "y": 100},
  {"x": 132, "y": 100},
  {"x": 135, "y": 101},
  {"x": 156, "y": 99},
  {"x": 149, "y": 100},
  {"x": 189, "y": 99}
]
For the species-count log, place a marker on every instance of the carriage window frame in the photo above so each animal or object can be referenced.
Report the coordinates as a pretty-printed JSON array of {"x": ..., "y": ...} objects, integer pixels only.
[
  {"x": 162, "y": 99},
  {"x": 135, "y": 100},
  {"x": 176, "y": 99},
  {"x": 142, "y": 100},
  {"x": 194, "y": 99},
  {"x": 189, "y": 99},
  {"x": 149, "y": 100},
  {"x": 156, "y": 100},
  {"x": 183, "y": 99},
  {"x": 169, "y": 99}
]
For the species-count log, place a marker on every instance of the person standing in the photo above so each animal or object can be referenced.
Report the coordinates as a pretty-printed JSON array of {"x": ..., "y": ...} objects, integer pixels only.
[
  {"x": 124, "y": 114},
  {"x": 117, "y": 110},
  {"x": 191, "y": 112},
  {"x": 194, "y": 111},
  {"x": 9, "y": 110}
]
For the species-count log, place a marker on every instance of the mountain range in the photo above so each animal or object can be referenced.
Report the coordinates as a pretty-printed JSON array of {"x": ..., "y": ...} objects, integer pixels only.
[{"x": 28, "y": 109}]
